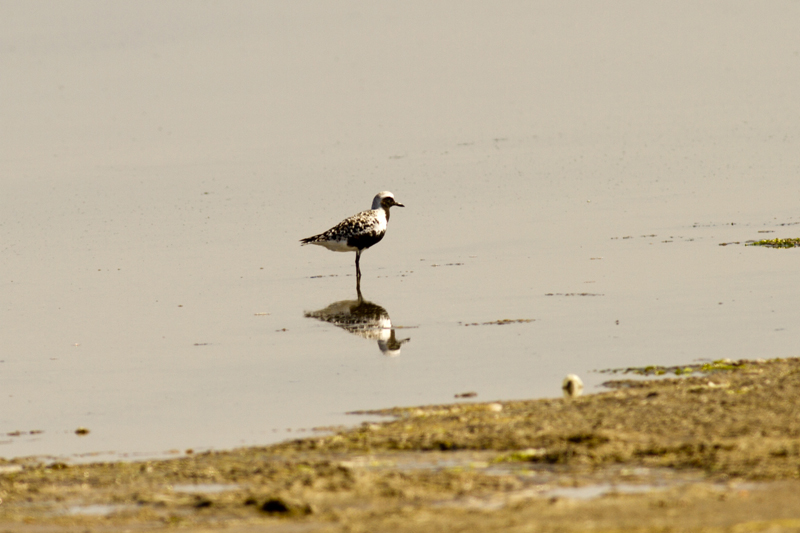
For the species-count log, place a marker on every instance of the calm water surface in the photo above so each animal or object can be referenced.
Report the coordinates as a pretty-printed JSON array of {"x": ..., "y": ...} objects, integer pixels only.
[{"x": 573, "y": 166}]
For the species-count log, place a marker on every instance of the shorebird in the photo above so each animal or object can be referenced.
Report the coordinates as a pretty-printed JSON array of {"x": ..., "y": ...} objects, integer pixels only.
[{"x": 358, "y": 232}]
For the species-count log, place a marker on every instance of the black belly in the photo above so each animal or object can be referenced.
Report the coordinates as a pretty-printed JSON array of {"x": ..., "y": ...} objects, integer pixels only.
[{"x": 365, "y": 241}]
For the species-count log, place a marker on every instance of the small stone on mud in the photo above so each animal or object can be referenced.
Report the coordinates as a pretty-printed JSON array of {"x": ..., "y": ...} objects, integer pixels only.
[
  {"x": 275, "y": 506},
  {"x": 572, "y": 386},
  {"x": 202, "y": 502},
  {"x": 279, "y": 506},
  {"x": 82, "y": 431}
]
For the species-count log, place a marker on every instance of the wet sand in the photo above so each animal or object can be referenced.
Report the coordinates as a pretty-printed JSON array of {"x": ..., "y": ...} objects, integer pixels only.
[
  {"x": 571, "y": 167},
  {"x": 715, "y": 451}
]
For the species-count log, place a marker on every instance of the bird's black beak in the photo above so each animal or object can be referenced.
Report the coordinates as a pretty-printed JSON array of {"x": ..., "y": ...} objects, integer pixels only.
[{"x": 398, "y": 204}]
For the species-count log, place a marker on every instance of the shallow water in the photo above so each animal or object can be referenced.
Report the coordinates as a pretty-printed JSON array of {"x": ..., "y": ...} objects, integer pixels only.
[{"x": 574, "y": 165}]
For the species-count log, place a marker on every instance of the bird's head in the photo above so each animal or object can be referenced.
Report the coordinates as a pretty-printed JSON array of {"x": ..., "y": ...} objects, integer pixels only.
[{"x": 385, "y": 200}]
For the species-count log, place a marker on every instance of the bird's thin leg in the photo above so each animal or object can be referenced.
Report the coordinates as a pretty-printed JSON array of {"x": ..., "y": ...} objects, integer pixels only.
[{"x": 358, "y": 268}]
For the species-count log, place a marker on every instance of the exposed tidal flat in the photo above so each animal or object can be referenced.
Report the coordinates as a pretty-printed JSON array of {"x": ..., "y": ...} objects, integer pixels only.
[
  {"x": 715, "y": 449},
  {"x": 569, "y": 173}
]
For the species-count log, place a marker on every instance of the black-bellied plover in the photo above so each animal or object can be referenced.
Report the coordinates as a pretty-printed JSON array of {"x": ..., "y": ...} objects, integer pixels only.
[{"x": 358, "y": 232}]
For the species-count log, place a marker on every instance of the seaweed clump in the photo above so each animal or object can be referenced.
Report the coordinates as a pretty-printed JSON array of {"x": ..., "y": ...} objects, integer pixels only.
[{"x": 776, "y": 243}]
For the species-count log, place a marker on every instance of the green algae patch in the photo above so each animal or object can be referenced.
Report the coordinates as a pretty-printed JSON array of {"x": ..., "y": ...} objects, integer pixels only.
[
  {"x": 723, "y": 365},
  {"x": 776, "y": 243},
  {"x": 719, "y": 365}
]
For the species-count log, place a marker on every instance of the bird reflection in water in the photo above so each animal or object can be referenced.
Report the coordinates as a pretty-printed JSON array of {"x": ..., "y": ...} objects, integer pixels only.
[{"x": 365, "y": 319}]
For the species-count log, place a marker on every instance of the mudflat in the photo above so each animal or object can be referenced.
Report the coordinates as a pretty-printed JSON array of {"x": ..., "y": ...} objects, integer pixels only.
[{"x": 714, "y": 449}]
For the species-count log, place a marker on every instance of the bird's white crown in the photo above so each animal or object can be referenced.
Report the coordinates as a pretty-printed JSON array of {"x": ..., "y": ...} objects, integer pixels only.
[{"x": 376, "y": 202}]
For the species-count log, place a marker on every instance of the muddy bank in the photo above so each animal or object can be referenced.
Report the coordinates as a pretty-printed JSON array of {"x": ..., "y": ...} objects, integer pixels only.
[{"x": 717, "y": 449}]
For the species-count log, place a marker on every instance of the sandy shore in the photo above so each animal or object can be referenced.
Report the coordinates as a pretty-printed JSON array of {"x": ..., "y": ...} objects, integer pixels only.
[{"x": 718, "y": 450}]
